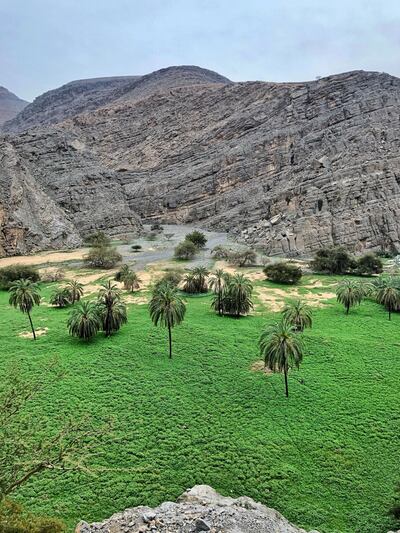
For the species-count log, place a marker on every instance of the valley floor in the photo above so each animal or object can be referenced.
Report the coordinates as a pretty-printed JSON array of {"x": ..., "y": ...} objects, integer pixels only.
[{"x": 327, "y": 457}]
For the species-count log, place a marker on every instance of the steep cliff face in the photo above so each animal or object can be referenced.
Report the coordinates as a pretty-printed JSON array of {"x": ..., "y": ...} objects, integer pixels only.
[
  {"x": 289, "y": 166},
  {"x": 10, "y": 105}
]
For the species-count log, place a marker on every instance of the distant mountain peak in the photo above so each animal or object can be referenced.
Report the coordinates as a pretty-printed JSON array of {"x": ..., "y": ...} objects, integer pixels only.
[{"x": 10, "y": 105}]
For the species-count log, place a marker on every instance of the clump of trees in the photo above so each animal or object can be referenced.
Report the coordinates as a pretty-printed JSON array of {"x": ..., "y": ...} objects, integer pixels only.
[
  {"x": 107, "y": 314},
  {"x": 283, "y": 272},
  {"x": 197, "y": 238},
  {"x": 13, "y": 273},
  {"x": 68, "y": 295},
  {"x": 240, "y": 258},
  {"x": 128, "y": 277},
  {"x": 101, "y": 254},
  {"x": 337, "y": 260},
  {"x": 232, "y": 294},
  {"x": 185, "y": 250},
  {"x": 195, "y": 282}
]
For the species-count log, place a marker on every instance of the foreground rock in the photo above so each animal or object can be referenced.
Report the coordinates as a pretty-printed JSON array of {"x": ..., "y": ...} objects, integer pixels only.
[{"x": 198, "y": 509}]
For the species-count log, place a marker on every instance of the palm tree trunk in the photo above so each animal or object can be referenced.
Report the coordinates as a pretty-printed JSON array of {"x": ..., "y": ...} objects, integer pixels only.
[
  {"x": 347, "y": 309},
  {"x": 390, "y": 312},
  {"x": 33, "y": 329},
  {"x": 286, "y": 383},
  {"x": 170, "y": 341}
]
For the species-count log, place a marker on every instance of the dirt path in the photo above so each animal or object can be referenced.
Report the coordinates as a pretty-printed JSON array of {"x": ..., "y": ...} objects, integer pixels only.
[{"x": 44, "y": 258}]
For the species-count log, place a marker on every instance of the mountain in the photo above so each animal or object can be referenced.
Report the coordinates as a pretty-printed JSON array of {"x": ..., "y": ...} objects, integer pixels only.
[
  {"x": 10, "y": 105},
  {"x": 87, "y": 95},
  {"x": 287, "y": 166}
]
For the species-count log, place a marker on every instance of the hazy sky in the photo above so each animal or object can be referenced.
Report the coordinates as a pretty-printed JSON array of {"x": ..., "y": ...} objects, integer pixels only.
[{"x": 45, "y": 43}]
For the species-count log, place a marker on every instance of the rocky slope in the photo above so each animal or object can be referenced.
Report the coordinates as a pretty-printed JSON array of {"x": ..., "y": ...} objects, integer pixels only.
[
  {"x": 10, "y": 105},
  {"x": 289, "y": 166},
  {"x": 86, "y": 95},
  {"x": 198, "y": 509}
]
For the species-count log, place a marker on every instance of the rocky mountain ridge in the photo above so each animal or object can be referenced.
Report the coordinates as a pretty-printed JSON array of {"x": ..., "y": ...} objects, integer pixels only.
[
  {"x": 10, "y": 105},
  {"x": 286, "y": 166},
  {"x": 198, "y": 509}
]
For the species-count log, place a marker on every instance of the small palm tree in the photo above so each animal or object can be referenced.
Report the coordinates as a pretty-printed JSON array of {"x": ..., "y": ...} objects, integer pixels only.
[
  {"x": 131, "y": 281},
  {"x": 84, "y": 321},
  {"x": 167, "y": 309},
  {"x": 122, "y": 272},
  {"x": 189, "y": 283},
  {"x": 200, "y": 275},
  {"x": 61, "y": 297},
  {"x": 24, "y": 295},
  {"x": 298, "y": 315},
  {"x": 349, "y": 293},
  {"x": 112, "y": 314},
  {"x": 281, "y": 348},
  {"x": 237, "y": 297},
  {"x": 217, "y": 283},
  {"x": 389, "y": 296},
  {"x": 76, "y": 290}
]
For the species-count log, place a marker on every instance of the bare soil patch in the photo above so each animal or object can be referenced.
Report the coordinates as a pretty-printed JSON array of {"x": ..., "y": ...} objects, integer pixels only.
[
  {"x": 45, "y": 257},
  {"x": 39, "y": 332}
]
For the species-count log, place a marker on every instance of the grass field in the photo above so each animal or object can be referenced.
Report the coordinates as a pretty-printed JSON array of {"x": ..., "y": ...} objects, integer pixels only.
[{"x": 327, "y": 457}]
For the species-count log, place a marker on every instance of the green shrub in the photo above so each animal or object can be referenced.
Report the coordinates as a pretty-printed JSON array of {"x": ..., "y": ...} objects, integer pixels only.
[
  {"x": 136, "y": 247},
  {"x": 333, "y": 260},
  {"x": 369, "y": 264},
  {"x": 13, "y": 273},
  {"x": 185, "y": 250},
  {"x": 103, "y": 257},
  {"x": 283, "y": 272},
  {"x": 242, "y": 258},
  {"x": 14, "y": 519},
  {"x": 99, "y": 238},
  {"x": 220, "y": 252},
  {"x": 197, "y": 238}
]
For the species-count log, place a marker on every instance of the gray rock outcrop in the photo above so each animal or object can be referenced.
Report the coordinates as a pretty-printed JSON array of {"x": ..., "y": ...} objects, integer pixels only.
[
  {"x": 10, "y": 105},
  {"x": 198, "y": 509}
]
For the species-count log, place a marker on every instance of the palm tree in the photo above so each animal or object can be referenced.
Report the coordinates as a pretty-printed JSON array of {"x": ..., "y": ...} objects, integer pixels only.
[
  {"x": 281, "y": 348},
  {"x": 298, "y": 315},
  {"x": 131, "y": 281},
  {"x": 167, "y": 309},
  {"x": 84, "y": 321},
  {"x": 76, "y": 290},
  {"x": 122, "y": 272},
  {"x": 61, "y": 297},
  {"x": 113, "y": 316},
  {"x": 237, "y": 297},
  {"x": 24, "y": 294},
  {"x": 389, "y": 296},
  {"x": 217, "y": 283},
  {"x": 200, "y": 278},
  {"x": 349, "y": 293},
  {"x": 189, "y": 283}
]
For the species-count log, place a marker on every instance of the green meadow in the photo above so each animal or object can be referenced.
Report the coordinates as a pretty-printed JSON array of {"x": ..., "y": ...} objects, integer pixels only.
[{"x": 327, "y": 457}]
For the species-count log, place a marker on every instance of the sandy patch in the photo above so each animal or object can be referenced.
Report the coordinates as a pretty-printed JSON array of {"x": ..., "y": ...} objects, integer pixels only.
[
  {"x": 39, "y": 332},
  {"x": 259, "y": 366},
  {"x": 45, "y": 257},
  {"x": 138, "y": 300},
  {"x": 275, "y": 298}
]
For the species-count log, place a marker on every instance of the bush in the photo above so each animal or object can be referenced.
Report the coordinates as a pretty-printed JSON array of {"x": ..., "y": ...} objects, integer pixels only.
[
  {"x": 13, "y": 273},
  {"x": 369, "y": 264},
  {"x": 103, "y": 257},
  {"x": 61, "y": 298},
  {"x": 173, "y": 277},
  {"x": 197, "y": 238},
  {"x": 283, "y": 272},
  {"x": 333, "y": 260},
  {"x": 220, "y": 253},
  {"x": 136, "y": 247},
  {"x": 156, "y": 227},
  {"x": 99, "y": 238},
  {"x": 53, "y": 275},
  {"x": 123, "y": 270},
  {"x": 14, "y": 519},
  {"x": 242, "y": 258},
  {"x": 185, "y": 250}
]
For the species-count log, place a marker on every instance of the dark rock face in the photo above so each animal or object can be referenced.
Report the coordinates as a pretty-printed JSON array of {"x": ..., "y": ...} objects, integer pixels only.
[
  {"x": 10, "y": 105},
  {"x": 198, "y": 509},
  {"x": 290, "y": 166}
]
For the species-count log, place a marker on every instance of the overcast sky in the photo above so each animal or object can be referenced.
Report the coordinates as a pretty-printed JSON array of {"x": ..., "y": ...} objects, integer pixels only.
[{"x": 46, "y": 43}]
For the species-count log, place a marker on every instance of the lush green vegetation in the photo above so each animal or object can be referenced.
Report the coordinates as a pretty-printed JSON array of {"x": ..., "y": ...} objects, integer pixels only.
[{"x": 326, "y": 457}]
